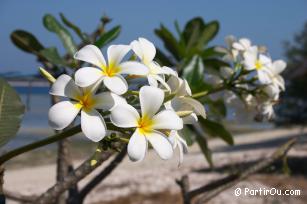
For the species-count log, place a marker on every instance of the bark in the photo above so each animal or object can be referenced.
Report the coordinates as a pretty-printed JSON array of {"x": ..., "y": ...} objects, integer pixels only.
[
  {"x": 73, "y": 178},
  {"x": 99, "y": 178}
]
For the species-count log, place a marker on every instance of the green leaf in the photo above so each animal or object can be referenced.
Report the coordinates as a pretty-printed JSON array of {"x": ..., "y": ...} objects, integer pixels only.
[
  {"x": 203, "y": 144},
  {"x": 163, "y": 59},
  {"x": 11, "y": 112},
  {"x": 216, "y": 129},
  {"x": 108, "y": 37},
  {"x": 75, "y": 28},
  {"x": 191, "y": 34},
  {"x": 208, "y": 33},
  {"x": 215, "y": 64},
  {"x": 170, "y": 42},
  {"x": 54, "y": 26},
  {"x": 26, "y": 41},
  {"x": 211, "y": 52},
  {"x": 52, "y": 55},
  {"x": 194, "y": 73},
  {"x": 192, "y": 29}
]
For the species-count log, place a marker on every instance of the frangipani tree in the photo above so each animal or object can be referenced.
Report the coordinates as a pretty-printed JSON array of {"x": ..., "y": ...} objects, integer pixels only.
[{"x": 134, "y": 97}]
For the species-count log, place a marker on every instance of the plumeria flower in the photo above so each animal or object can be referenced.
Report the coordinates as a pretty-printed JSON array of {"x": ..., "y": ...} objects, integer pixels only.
[
  {"x": 278, "y": 66},
  {"x": 242, "y": 44},
  {"x": 177, "y": 141},
  {"x": 277, "y": 82},
  {"x": 111, "y": 71},
  {"x": 149, "y": 126},
  {"x": 82, "y": 99},
  {"x": 146, "y": 52},
  {"x": 231, "y": 54},
  {"x": 259, "y": 62},
  {"x": 183, "y": 102}
]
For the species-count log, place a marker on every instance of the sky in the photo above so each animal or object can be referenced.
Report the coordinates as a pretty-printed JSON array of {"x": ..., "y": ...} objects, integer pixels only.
[{"x": 265, "y": 22}]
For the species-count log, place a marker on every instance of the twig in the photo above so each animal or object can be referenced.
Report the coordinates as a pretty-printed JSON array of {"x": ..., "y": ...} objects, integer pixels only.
[
  {"x": 100, "y": 177},
  {"x": 219, "y": 186},
  {"x": 185, "y": 188},
  {"x": 83, "y": 170},
  {"x": 214, "y": 188}
]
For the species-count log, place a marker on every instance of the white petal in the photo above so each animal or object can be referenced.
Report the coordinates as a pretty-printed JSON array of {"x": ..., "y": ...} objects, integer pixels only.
[
  {"x": 183, "y": 149},
  {"x": 238, "y": 46},
  {"x": 62, "y": 114},
  {"x": 161, "y": 144},
  {"x": 133, "y": 68},
  {"x": 169, "y": 71},
  {"x": 246, "y": 43},
  {"x": 168, "y": 120},
  {"x": 107, "y": 100},
  {"x": 190, "y": 119},
  {"x": 151, "y": 99},
  {"x": 184, "y": 89},
  {"x": 172, "y": 138},
  {"x": 116, "y": 84},
  {"x": 137, "y": 146},
  {"x": 264, "y": 77},
  {"x": 265, "y": 59},
  {"x": 173, "y": 82},
  {"x": 144, "y": 49},
  {"x": 162, "y": 81},
  {"x": 124, "y": 116},
  {"x": 278, "y": 66},
  {"x": 250, "y": 58},
  {"x": 198, "y": 107},
  {"x": 93, "y": 125},
  {"x": 87, "y": 76},
  {"x": 91, "y": 54},
  {"x": 116, "y": 53},
  {"x": 280, "y": 82},
  {"x": 152, "y": 81},
  {"x": 65, "y": 86}
]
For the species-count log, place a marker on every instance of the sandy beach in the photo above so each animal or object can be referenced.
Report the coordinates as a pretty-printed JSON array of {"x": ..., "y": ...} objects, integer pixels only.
[{"x": 153, "y": 180}]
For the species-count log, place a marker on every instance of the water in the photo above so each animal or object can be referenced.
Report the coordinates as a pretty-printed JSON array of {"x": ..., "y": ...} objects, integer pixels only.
[
  {"x": 34, "y": 125},
  {"x": 37, "y": 101}
]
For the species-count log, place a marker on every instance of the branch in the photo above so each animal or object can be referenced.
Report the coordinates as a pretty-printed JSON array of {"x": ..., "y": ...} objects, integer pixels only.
[
  {"x": 83, "y": 170},
  {"x": 65, "y": 134},
  {"x": 214, "y": 188},
  {"x": 101, "y": 176},
  {"x": 219, "y": 186},
  {"x": 185, "y": 187}
]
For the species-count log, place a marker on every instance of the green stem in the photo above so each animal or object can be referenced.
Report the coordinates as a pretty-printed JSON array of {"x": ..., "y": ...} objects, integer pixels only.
[
  {"x": 67, "y": 133},
  {"x": 205, "y": 93}
]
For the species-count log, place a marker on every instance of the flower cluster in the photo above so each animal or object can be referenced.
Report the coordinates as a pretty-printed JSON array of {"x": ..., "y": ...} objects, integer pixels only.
[
  {"x": 107, "y": 99},
  {"x": 255, "y": 74}
]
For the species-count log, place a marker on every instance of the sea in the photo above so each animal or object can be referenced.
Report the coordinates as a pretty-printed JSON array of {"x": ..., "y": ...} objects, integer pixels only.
[{"x": 34, "y": 124}]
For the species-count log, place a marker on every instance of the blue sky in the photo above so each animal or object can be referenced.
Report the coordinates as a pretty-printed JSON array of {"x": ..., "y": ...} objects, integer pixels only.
[{"x": 267, "y": 22}]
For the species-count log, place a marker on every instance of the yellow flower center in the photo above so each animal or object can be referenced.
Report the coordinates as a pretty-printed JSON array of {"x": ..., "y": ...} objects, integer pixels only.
[
  {"x": 85, "y": 101},
  {"x": 258, "y": 65},
  {"x": 110, "y": 70},
  {"x": 145, "y": 124}
]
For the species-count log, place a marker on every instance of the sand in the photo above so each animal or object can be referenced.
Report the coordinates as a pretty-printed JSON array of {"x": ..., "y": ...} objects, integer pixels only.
[{"x": 153, "y": 180}]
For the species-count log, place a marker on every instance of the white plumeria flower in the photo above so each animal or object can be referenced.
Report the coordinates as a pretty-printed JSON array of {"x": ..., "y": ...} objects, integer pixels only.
[
  {"x": 146, "y": 52},
  {"x": 242, "y": 44},
  {"x": 110, "y": 72},
  {"x": 183, "y": 102},
  {"x": 149, "y": 125},
  {"x": 259, "y": 62},
  {"x": 177, "y": 141},
  {"x": 278, "y": 66},
  {"x": 83, "y": 99},
  {"x": 267, "y": 110},
  {"x": 278, "y": 84}
]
